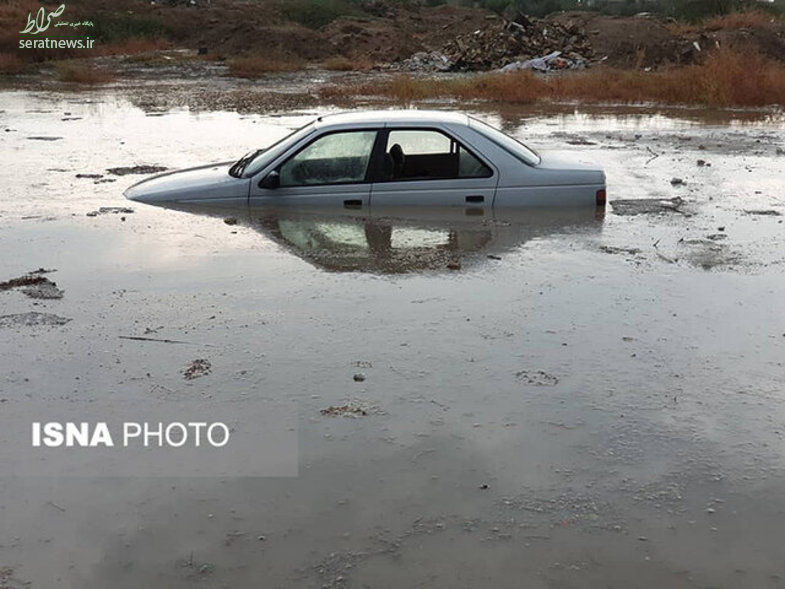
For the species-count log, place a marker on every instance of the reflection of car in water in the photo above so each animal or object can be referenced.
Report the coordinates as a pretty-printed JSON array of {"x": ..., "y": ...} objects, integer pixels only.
[
  {"x": 412, "y": 240},
  {"x": 387, "y": 158}
]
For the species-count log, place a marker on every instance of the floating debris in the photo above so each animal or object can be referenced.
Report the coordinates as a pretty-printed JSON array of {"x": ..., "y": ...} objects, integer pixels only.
[
  {"x": 110, "y": 210},
  {"x": 767, "y": 212},
  {"x": 351, "y": 409},
  {"x": 123, "y": 171},
  {"x": 32, "y": 319},
  {"x": 198, "y": 368},
  {"x": 537, "y": 378},
  {"x": 609, "y": 249},
  {"x": 647, "y": 206}
]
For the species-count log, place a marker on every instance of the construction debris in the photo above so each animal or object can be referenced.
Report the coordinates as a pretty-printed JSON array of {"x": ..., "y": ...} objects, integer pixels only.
[
  {"x": 522, "y": 43},
  {"x": 553, "y": 61}
]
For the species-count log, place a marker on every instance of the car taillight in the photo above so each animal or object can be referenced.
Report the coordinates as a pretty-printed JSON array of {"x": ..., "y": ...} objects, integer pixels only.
[{"x": 600, "y": 198}]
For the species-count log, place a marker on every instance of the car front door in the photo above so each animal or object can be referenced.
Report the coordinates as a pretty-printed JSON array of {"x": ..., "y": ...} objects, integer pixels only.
[
  {"x": 424, "y": 167},
  {"x": 330, "y": 171}
]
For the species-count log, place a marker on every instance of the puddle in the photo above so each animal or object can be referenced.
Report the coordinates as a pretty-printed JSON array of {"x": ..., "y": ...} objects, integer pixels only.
[{"x": 541, "y": 394}]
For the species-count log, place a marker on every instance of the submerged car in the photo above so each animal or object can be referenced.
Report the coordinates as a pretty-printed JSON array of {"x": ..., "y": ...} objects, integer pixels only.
[{"x": 387, "y": 158}]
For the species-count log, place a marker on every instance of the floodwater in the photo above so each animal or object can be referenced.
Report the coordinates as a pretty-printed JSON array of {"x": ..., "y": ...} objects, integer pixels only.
[{"x": 536, "y": 400}]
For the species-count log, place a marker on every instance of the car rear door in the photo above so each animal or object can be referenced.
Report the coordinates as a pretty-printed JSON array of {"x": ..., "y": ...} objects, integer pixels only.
[
  {"x": 428, "y": 167},
  {"x": 330, "y": 171}
]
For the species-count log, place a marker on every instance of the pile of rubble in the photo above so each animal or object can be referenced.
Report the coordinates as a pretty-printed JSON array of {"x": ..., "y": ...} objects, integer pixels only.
[{"x": 522, "y": 43}]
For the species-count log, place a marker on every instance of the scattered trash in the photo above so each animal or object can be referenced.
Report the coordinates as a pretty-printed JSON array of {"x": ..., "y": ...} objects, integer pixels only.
[
  {"x": 112, "y": 210},
  {"x": 359, "y": 377},
  {"x": 644, "y": 206},
  {"x": 352, "y": 409},
  {"x": 767, "y": 212},
  {"x": 536, "y": 378},
  {"x": 159, "y": 340},
  {"x": 424, "y": 61},
  {"x": 136, "y": 170},
  {"x": 522, "y": 43},
  {"x": 32, "y": 319},
  {"x": 198, "y": 368},
  {"x": 677, "y": 182},
  {"x": 547, "y": 63},
  {"x": 230, "y": 221},
  {"x": 609, "y": 249}
]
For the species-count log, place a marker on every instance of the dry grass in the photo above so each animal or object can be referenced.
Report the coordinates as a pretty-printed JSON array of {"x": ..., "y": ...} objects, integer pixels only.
[
  {"x": 257, "y": 65},
  {"x": 735, "y": 20},
  {"x": 727, "y": 78},
  {"x": 517, "y": 87},
  {"x": 344, "y": 64},
  {"x": 10, "y": 63},
  {"x": 81, "y": 74},
  {"x": 738, "y": 20}
]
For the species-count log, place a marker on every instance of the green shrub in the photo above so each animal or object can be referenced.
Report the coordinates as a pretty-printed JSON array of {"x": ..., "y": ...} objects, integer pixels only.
[
  {"x": 317, "y": 13},
  {"x": 111, "y": 28}
]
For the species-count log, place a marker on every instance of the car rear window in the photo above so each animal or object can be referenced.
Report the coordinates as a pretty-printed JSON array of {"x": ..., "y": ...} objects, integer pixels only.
[{"x": 507, "y": 143}]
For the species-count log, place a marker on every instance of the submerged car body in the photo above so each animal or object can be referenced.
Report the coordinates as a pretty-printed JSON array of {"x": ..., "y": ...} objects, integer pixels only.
[{"x": 387, "y": 158}]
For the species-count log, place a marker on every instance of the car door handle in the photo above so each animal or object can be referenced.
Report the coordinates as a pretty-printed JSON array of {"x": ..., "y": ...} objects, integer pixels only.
[
  {"x": 353, "y": 203},
  {"x": 475, "y": 198}
]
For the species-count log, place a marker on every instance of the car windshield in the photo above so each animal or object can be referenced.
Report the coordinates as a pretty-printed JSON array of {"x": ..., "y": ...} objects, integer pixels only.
[
  {"x": 253, "y": 161},
  {"x": 509, "y": 144}
]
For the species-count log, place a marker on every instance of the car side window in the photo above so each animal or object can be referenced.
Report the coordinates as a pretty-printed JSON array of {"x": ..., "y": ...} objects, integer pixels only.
[
  {"x": 427, "y": 154},
  {"x": 336, "y": 158}
]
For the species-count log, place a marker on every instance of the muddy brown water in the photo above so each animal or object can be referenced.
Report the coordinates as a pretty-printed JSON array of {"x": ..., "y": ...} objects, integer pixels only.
[{"x": 548, "y": 400}]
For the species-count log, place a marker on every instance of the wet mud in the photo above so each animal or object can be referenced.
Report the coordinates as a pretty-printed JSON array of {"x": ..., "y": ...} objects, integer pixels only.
[{"x": 548, "y": 399}]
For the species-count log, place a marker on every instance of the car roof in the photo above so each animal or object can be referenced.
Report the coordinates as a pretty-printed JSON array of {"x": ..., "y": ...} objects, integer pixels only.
[{"x": 380, "y": 117}]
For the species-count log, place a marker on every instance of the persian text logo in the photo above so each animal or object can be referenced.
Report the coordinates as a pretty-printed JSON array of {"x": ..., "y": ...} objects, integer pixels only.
[{"x": 42, "y": 22}]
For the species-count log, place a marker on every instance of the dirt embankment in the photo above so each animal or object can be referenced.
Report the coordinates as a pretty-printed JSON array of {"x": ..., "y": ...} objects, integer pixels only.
[
  {"x": 653, "y": 41},
  {"x": 382, "y": 32},
  {"x": 385, "y": 33}
]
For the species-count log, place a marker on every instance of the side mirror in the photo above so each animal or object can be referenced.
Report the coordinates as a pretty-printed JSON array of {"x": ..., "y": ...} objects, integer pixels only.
[{"x": 271, "y": 181}]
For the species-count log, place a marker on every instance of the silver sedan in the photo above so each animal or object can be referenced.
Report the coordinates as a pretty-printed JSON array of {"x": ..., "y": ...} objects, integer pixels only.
[{"x": 385, "y": 159}]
